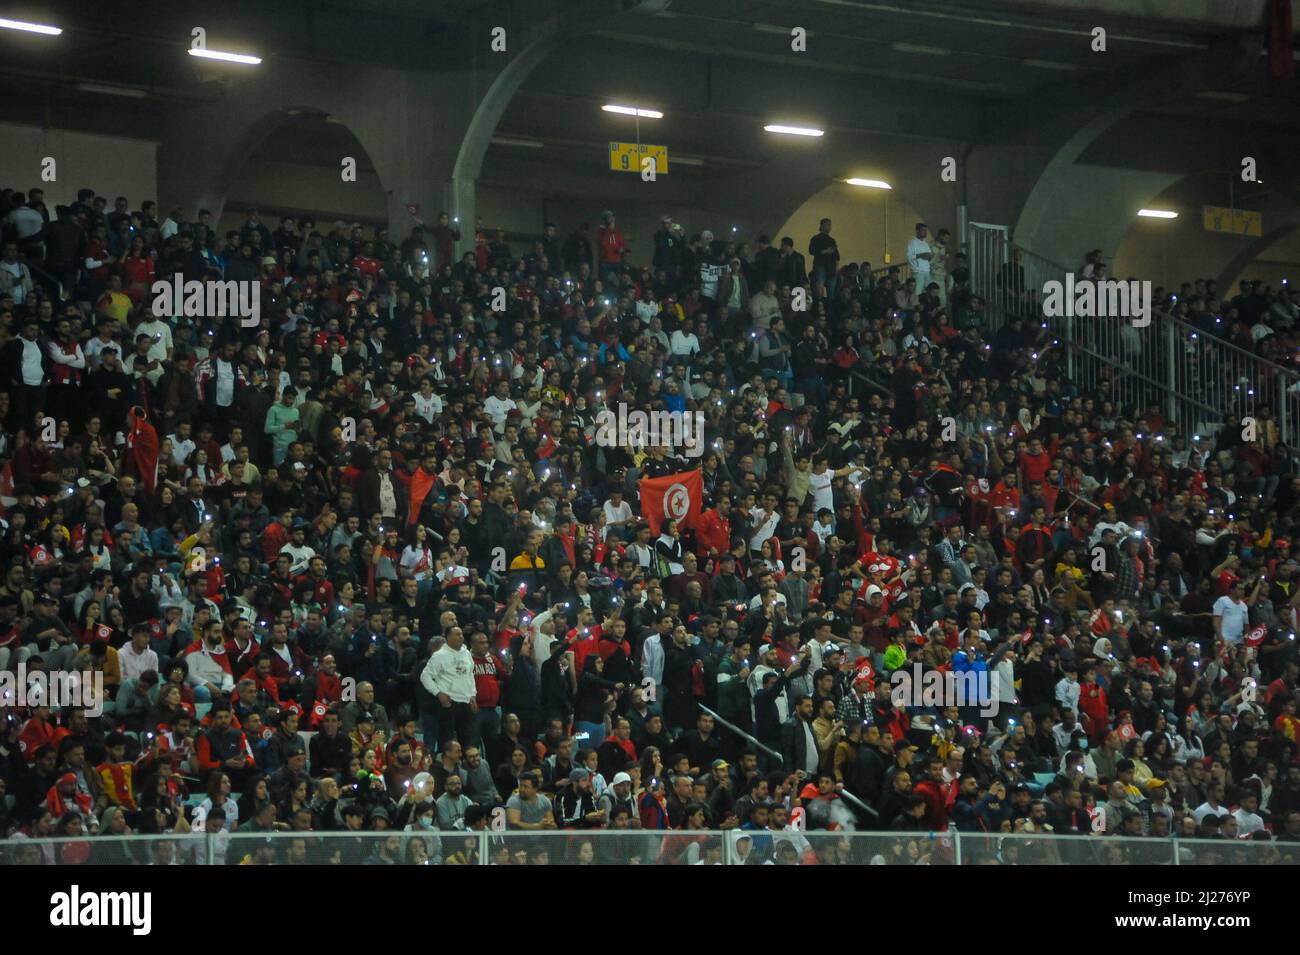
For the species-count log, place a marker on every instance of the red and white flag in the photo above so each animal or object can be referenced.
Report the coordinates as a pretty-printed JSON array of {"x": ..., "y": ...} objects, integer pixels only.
[{"x": 677, "y": 497}]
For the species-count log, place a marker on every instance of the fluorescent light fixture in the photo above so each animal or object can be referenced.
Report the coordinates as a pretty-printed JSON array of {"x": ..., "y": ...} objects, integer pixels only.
[
  {"x": 920, "y": 48},
  {"x": 776, "y": 28},
  {"x": 1223, "y": 96},
  {"x": 1049, "y": 65},
  {"x": 130, "y": 92},
  {"x": 515, "y": 141},
  {"x": 869, "y": 183},
  {"x": 687, "y": 161},
  {"x": 226, "y": 57},
  {"x": 1157, "y": 214},
  {"x": 793, "y": 130},
  {"x": 633, "y": 111},
  {"x": 29, "y": 27}
]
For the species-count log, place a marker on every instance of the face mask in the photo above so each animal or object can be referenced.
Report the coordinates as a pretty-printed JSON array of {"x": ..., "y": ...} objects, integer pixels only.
[{"x": 426, "y": 822}]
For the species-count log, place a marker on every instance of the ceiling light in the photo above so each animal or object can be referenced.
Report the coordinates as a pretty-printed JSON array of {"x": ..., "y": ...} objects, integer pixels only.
[
  {"x": 1223, "y": 96},
  {"x": 793, "y": 130},
  {"x": 920, "y": 48},
  {"x": 869, "y": 183},
  {"x": 687, "y": 161},
  {"x": 516, "y": 141},
  {"x": 776, "y": 28},
  {"x": 30, "y": 27},
  {"x": 633, "y": 111},
  {"x": 1049, "y": 65},
  {"x": 1157, "y": 214},
  {"x": 225, "y": 57},
  {"x": 127, "y": 91}
]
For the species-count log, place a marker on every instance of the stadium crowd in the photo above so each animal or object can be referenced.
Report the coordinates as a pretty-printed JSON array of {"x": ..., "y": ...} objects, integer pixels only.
[{"x": 364, "y": 565}]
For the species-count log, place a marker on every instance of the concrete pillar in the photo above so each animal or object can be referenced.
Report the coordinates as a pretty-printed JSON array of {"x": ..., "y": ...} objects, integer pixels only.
[{"x": 425, "y": 133}]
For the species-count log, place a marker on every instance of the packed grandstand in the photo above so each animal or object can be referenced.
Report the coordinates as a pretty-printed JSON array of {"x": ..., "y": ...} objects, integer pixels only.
[{"x": 361, "y": 580}]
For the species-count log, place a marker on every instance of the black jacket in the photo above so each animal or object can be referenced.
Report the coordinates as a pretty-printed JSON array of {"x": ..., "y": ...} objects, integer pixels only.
[
  {"x": 701, "y": 752},
  {"x": 11, "y": 359},
  {"x": 329, "y": 755},
  {"x": 794, "y": 744}
]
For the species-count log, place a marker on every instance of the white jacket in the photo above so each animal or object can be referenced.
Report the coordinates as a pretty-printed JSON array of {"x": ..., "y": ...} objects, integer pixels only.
[{"x": 452, "y": 672}]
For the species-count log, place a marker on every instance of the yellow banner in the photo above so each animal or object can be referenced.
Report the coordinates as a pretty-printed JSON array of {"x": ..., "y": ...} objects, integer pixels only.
[
  {"x": 1234, "y": 221},
  {"x": 623, "y": 157}
]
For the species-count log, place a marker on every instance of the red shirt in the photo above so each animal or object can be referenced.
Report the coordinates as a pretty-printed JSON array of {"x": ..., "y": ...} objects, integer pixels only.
[
  {"x": 1033, "y": 467},
  {"x": 487, "y": 681},
  {"x": 712, "y": 531},
  {"x": 611, "y": 244}
]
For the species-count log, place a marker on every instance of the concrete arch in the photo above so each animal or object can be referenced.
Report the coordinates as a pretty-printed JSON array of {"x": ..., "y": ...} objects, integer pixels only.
[
  {"x": 1237, "y": 264},
  {"x": 809, "y": 181},
  {"x": 426, "y": 133}
]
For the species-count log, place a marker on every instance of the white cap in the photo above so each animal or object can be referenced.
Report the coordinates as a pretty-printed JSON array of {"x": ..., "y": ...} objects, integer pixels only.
[{"x": 621, "y": 778}]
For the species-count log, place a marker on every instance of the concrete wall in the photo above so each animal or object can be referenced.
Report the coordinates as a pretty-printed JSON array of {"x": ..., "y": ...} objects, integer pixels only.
[
  {"x": 110, "y": 165},
  {"x": 1169, "y": 252},
  {"x": 276, "y": 188},
  {"x": 866, "y": 223}
]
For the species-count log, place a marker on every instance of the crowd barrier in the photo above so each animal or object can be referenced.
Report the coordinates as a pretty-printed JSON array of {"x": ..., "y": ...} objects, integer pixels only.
[{"x": 639, "y": 847}]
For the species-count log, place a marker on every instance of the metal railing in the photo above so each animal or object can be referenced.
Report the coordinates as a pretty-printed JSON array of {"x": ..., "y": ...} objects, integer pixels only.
[
  {"x": 648, "y": 847},
  {"x": 752, "y": 740},
  {"x": 1197, "y": 379}
]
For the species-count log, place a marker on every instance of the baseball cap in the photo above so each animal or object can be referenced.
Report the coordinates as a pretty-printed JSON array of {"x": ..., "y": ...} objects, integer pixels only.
[
  {"x": 621, "y": 778},
  {"x": 720, "y": 764}
]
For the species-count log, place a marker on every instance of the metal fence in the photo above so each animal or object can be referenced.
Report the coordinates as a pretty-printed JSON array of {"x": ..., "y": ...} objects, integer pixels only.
[
  {"x": 1198, "y": 380},
  {"x": 639, "y": 847}
]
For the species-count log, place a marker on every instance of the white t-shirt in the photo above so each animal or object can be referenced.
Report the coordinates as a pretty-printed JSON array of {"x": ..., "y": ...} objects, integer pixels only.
[
  {"x": 387, "y": 495},
  {"x": 822, "y": 494},
  {"x": 301, "y": 557},
  {"x": 33, "y": 371},
  {"x": 710, "y": 275},
  {"x": 613, "y": 514},
  {"x": 1248, "y": 822},
  {"x": 916, "y": 247},
  {"x": 764, "y": 530},
  {"x": 418, "y": 561},
  {"x": 1236, "y": 617},
  {"x": 161, "y": 334},
  {"x": 684, "y": 345},
  {"x": 498, "y": 408},
  {"x": 428, "y": 408},
  {"x": 225, "y": 378},
  {"x": 181, "y": 450},
  {"x": 1204, "y": 809}
]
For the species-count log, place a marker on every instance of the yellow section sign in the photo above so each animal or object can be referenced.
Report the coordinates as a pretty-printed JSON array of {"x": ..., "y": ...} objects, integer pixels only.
[
  {"x": 1234, "y": 221},
  {"x": 623, "y": 157}
]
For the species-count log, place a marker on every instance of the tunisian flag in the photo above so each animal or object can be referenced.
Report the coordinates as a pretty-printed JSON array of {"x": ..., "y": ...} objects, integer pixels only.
[
  {"x": 676, "y": 497},
  {"x": 142, "y": 442},
  {"x": 420, "y": 486}
]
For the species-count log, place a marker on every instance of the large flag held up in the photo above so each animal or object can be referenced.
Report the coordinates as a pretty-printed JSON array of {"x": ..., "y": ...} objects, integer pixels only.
[
  {"x": 678, "y": 497},
  {"x": 143, "y": 444}
]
